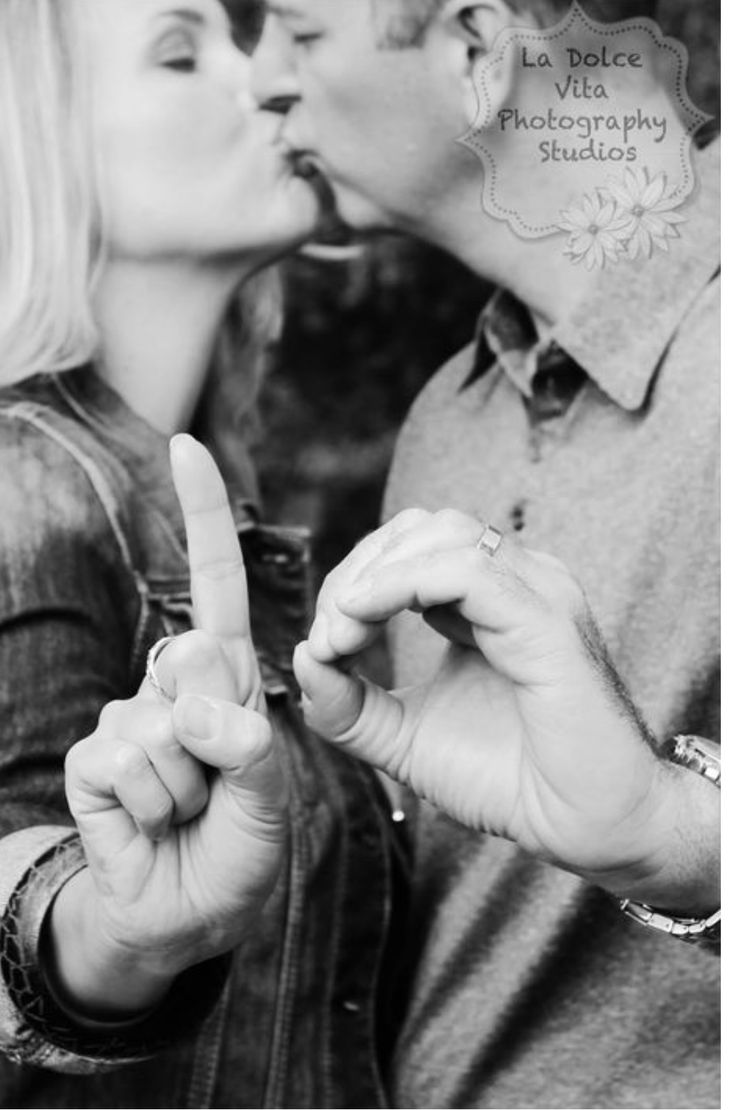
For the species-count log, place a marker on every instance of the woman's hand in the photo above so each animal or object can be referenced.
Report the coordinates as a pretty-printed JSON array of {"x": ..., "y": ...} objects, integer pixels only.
[
  {"x": 181, "y": 807},
  {"x": 525, "y": 731}
]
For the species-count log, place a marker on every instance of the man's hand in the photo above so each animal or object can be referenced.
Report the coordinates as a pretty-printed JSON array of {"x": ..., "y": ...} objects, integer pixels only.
[
  {"x": 181, "y": 808},
  {"x": 525, "y": 731}
]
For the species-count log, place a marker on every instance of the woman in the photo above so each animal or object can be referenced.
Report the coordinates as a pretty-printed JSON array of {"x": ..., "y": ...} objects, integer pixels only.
[{"x": 141, "y": 189}]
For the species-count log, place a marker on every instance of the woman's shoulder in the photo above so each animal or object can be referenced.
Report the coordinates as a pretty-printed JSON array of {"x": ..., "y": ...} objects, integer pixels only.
[{"x": 55, "y": 480}]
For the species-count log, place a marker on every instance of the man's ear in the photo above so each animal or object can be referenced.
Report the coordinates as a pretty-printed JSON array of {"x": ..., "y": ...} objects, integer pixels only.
[
  {"x": 476, "y": 23},
  {"x": 473, "y": 27}
]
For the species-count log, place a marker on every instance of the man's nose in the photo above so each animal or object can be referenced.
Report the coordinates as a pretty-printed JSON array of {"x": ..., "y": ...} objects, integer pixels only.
[{"x": 273, "y": 78}]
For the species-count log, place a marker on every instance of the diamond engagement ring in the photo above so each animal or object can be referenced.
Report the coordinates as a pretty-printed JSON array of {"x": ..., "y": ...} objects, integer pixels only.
[
  {"x": 490, "y": 541},
  {"x": 151, "y": 660}
]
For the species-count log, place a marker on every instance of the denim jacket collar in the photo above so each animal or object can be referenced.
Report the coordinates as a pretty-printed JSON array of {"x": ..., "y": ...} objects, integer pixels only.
[
  {"x": 277, "y": 558},
  {"x": 142, "y": 449}
]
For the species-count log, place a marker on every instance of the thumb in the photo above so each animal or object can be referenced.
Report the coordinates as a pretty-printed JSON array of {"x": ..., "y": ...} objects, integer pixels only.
[{"x": 352, "y": 712}]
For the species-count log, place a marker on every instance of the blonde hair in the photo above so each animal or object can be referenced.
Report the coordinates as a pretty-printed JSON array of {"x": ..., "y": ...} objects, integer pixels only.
[
  {"x": 50, "y": 231},
  {"x": 52, "y": 222}
]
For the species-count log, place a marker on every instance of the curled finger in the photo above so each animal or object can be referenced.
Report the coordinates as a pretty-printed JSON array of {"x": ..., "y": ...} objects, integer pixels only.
[
  {"x": 113, "y": 790},
  {"x": 483, "y": 592},
  {"x": 333, "y": 632},
  {"x": 149, "y": 726}
]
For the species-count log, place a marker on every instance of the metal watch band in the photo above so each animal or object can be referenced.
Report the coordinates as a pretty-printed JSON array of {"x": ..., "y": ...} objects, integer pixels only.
[
  {"x": 692, "y": 929},
  {"x": 696, "y": 753},
  {"x": 702, "y": 756}
]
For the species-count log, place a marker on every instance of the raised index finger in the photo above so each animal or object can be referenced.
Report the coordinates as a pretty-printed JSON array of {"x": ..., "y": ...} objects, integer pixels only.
[{"x": 218, "y": 582}]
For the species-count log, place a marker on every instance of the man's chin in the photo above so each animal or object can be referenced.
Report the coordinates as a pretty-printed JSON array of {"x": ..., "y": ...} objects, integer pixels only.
[{"x": 358, "y": 212}]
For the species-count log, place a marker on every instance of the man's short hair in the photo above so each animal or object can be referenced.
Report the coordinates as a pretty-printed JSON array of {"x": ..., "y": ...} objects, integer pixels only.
[{"x": 402, "y": 24}]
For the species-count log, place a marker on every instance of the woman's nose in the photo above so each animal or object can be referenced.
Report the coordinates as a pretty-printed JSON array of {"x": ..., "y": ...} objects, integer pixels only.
[
  {"x": 247, "y": 101},
  {"x": 242, "y": 81}
]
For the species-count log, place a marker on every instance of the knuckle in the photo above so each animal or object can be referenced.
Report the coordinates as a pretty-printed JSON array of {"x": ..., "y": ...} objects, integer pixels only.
[
  {"x": 112, "y": 714},
  {"x": 450, "y": 519},
  {"x": 194, "y": 648},
  {"x": 481, "y": 564},
  {"x": 342, "y": 633},
  {"x": 197, "y": 639},
  {"x": 409, "y": 517},
  {"x": 159, "y": 731},
  {"x": 331, "y": 581},
  {"x": 131, "y": 760},
  {"x": 74, "y": 758}
]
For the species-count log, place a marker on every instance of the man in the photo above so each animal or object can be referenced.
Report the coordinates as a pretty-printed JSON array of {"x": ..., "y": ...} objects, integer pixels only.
[{"x": 584, "y": 418}]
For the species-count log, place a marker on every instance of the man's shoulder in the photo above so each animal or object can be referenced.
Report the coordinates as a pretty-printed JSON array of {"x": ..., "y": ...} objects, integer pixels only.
[
  {"x": 691, "y": 367},
  {"x": 435, "y": 418},
  {"x": 442, "y": 393}
]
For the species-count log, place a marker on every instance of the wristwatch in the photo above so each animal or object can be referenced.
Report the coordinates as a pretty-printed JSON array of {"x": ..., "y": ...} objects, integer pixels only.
[{"x": 704, "y": 757}]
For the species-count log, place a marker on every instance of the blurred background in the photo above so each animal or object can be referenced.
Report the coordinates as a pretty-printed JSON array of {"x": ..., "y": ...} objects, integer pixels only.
[{"x": 361, "y": 338}]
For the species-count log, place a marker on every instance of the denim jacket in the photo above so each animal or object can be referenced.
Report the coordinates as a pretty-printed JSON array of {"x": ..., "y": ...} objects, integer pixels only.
[{"x": 93, "y": 571}]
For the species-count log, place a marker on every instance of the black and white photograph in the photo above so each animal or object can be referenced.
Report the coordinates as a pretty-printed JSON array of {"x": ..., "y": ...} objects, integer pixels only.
[{"x": 360, "y": 543}]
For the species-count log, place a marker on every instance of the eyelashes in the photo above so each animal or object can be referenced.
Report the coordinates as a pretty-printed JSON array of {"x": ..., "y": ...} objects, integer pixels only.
[
  {"x": 178, "y": 51},
  {"x": 181, "y": 65}
]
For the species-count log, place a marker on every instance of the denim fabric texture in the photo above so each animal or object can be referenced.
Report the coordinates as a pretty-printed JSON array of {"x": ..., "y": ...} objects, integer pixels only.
[{"x": 93, "y": 571}]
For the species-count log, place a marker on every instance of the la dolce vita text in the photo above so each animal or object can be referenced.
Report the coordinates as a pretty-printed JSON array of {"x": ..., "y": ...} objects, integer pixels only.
[{"x": 584, "y": 126}]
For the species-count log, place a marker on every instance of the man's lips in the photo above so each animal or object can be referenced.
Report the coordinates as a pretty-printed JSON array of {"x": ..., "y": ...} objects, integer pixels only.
[
  {"x": 306, "y": 165},
  {"x": 332, "y": 242},
  {"x": 304, "y": 162}
]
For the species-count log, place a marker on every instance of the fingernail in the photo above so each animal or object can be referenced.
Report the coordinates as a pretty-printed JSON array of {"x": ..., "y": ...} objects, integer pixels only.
[
  {"x": 199, "y": 717},
  {"x": 302, "y": 660},
  {"x": 178, "y": 442}
]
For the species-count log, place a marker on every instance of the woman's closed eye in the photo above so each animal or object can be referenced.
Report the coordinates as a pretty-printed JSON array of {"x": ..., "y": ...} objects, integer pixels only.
[{"x": 178, "y": 51}]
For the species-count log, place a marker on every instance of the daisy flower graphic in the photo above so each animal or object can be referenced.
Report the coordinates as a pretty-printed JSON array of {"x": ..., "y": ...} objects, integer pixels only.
[
  {"x": 652, "y": 220},
  {"x": 598, "y": 230}
]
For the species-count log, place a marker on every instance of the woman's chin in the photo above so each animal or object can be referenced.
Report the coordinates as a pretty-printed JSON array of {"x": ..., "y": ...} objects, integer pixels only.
[
  {"x": 285, "y": 241},
  {"x": 299, "y": 213},
  {"x": 288, "y": 229}
]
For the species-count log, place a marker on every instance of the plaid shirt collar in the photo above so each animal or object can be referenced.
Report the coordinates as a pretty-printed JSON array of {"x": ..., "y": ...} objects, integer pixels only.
[{"x": 620, "y": 332}]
